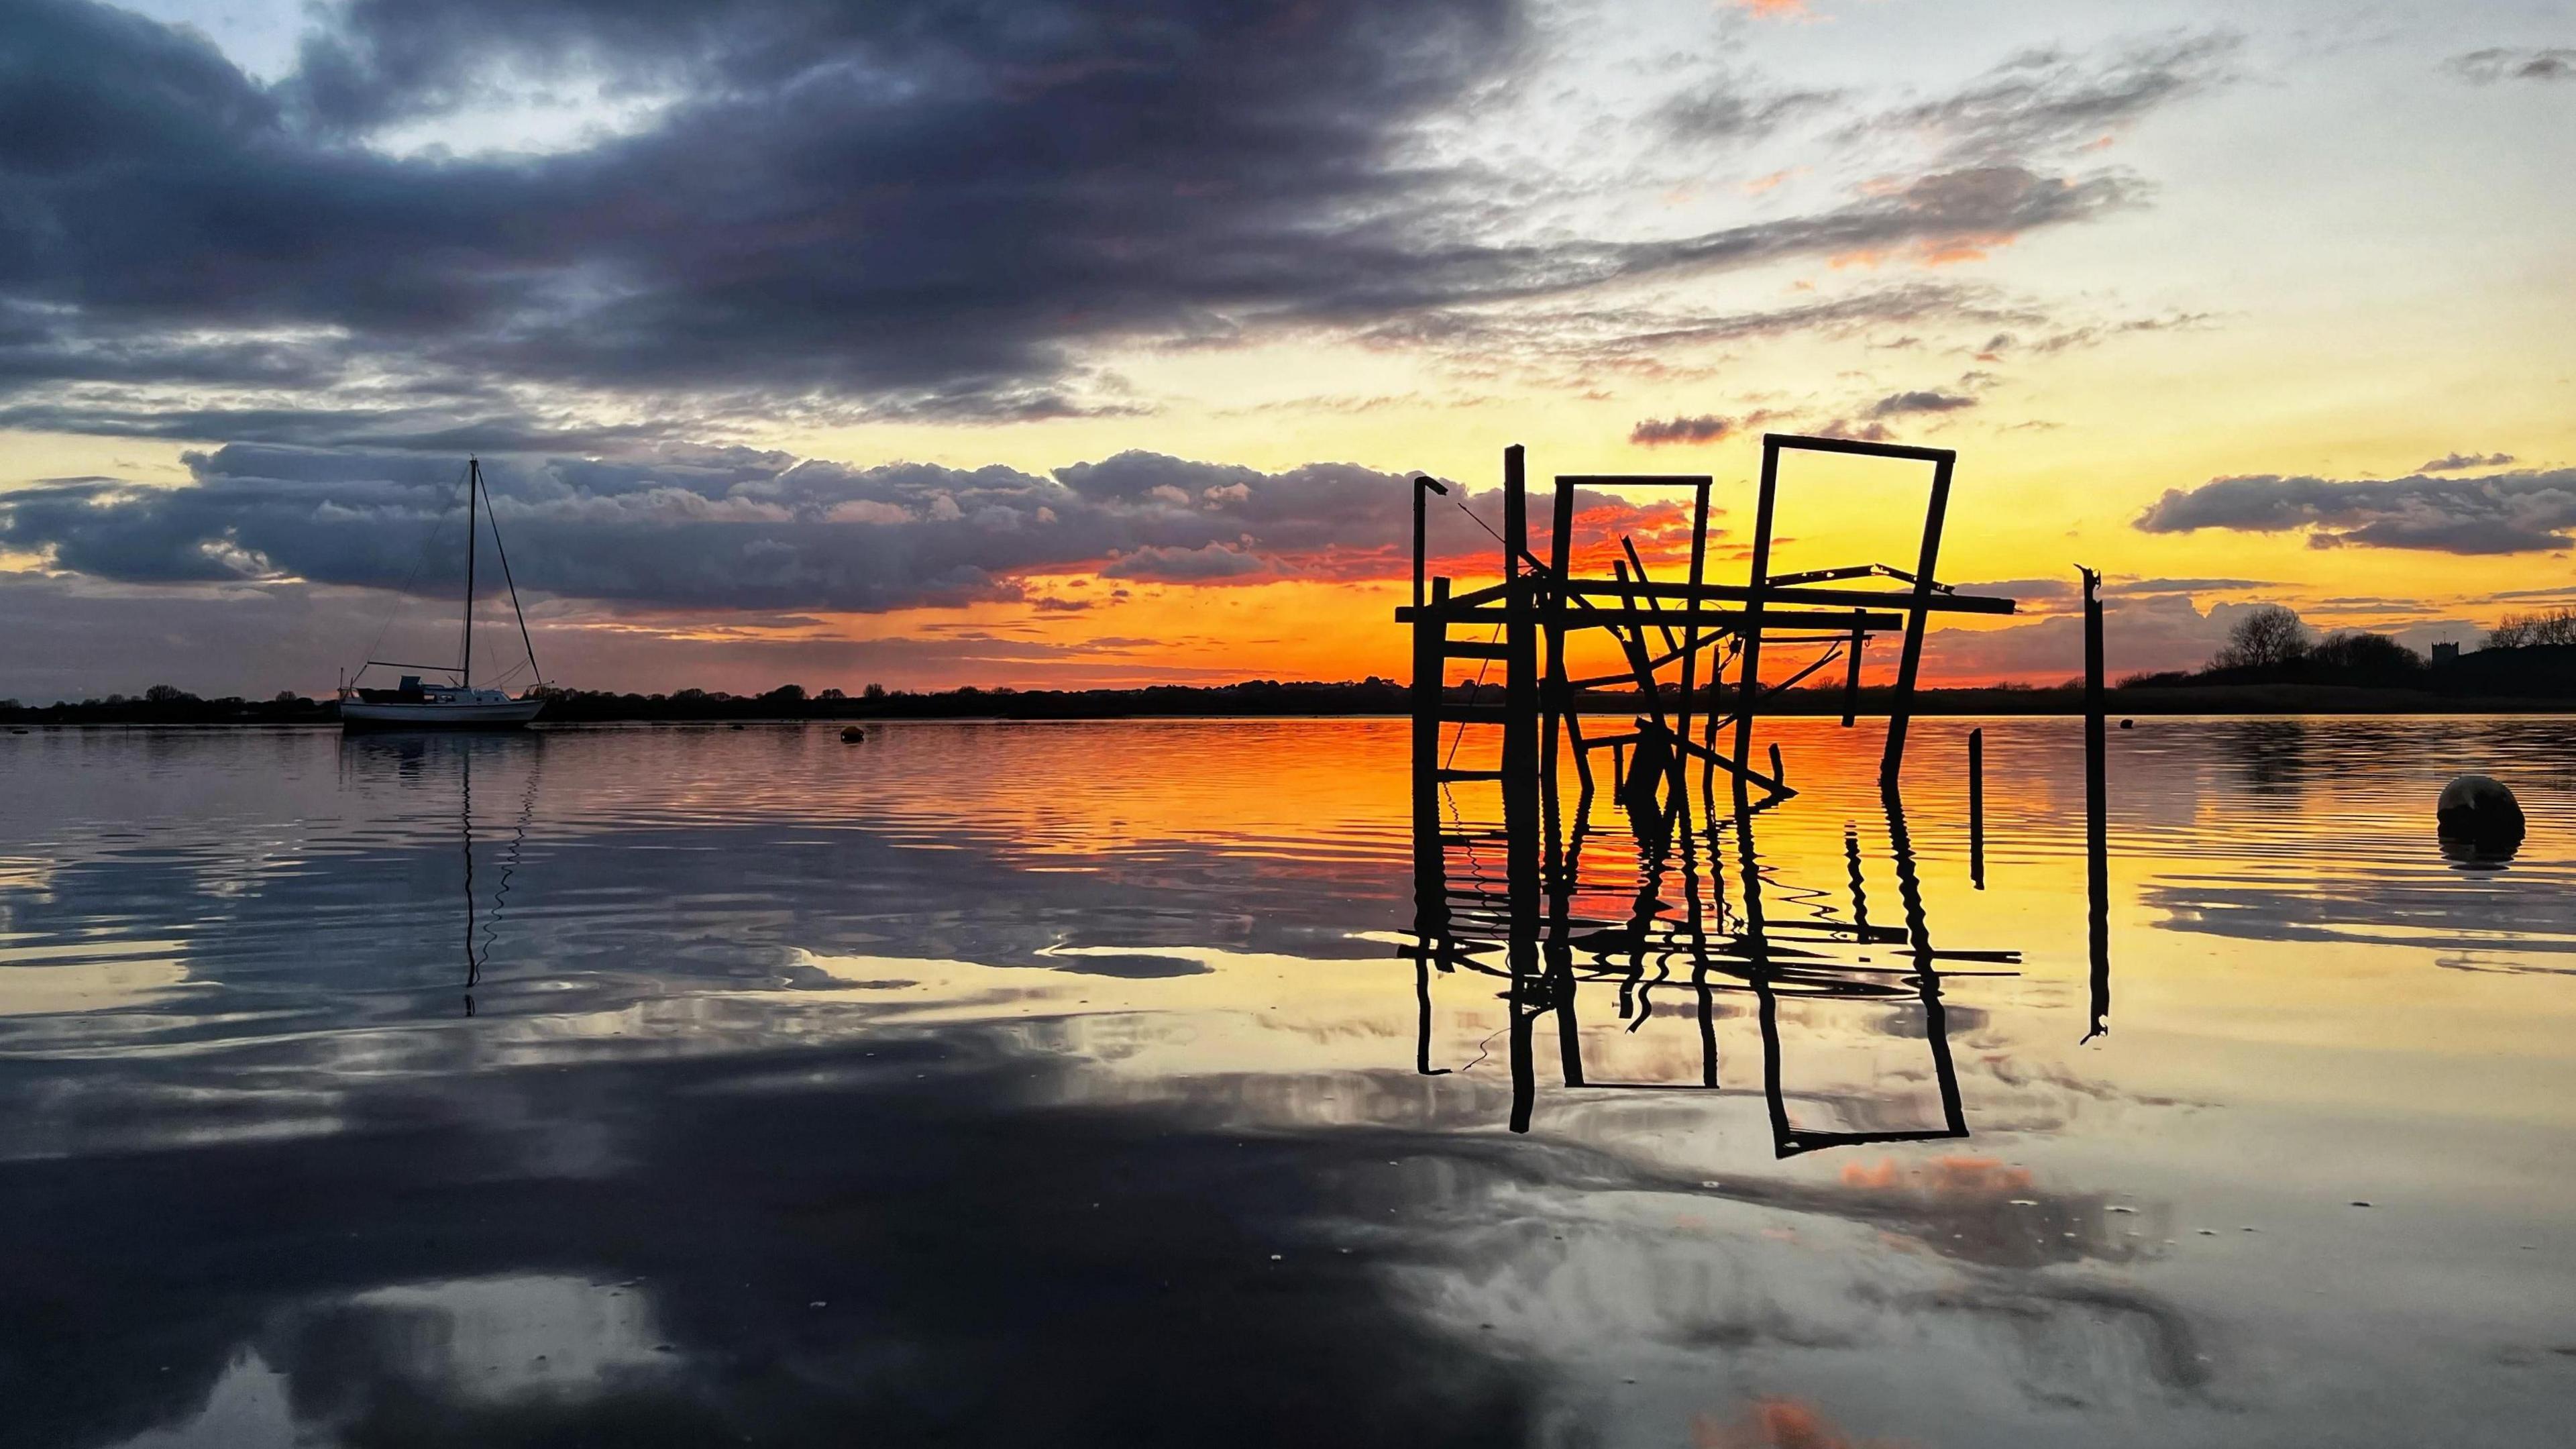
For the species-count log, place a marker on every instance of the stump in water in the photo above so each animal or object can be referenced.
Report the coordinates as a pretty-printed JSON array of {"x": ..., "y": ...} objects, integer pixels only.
[
  {"x": 1643, "y": 790},
  {"x": 2478, "y": 820}
]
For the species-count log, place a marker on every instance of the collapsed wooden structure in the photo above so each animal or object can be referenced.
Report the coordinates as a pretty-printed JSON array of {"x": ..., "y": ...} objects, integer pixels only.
[
  {"x": 1522, "y": 922},
  {"x": 1543, "y": 601}
]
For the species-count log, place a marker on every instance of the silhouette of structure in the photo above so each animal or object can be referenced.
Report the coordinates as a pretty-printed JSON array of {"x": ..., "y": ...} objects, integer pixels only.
[
  {"x": 2097, "y": 806},
  {"x": 1536, "y": 923}
]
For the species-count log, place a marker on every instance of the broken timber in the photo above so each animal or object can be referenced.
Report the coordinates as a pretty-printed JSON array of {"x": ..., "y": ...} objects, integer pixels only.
[{"x": 1525, "y": 623}]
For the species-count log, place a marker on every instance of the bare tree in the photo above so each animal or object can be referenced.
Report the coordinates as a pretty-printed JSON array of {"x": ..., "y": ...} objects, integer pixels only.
[
  {"x": 2524, "y": 631},
  {"x": 2365, "y": 657},
  {"x": 2268, "y": 636}
]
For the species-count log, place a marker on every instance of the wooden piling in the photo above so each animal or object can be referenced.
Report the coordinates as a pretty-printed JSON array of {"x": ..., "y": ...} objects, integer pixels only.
[
  {"x": 1757, "y": 584},
  {"x": 1430, "y": 666},
  {"x": 1900, "y": 708},
  {"x": 1851, "y": 678},
  {"x": 2097, "y": 852},
  {"x": 1977, "y": 808}
]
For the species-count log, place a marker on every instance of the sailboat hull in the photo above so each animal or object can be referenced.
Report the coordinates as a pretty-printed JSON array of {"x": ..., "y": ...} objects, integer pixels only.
[{"x": 501, "y": 714}]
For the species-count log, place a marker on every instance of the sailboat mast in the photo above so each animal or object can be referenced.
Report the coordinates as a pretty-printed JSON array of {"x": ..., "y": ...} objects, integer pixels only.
[{"x": 473, "y": 485}]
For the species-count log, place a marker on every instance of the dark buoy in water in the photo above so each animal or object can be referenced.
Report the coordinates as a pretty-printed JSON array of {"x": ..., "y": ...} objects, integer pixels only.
[
  {"x": 852, "y": 734},
  {"x": 2478, "y": 820}
]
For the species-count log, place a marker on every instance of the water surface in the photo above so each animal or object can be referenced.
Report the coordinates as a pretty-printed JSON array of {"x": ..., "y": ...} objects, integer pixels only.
[{"x": 1071, "y": 1083}]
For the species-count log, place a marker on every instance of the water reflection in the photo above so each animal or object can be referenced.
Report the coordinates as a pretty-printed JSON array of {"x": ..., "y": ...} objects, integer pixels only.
[
  {"x": 961, "y": 1089},
  {"x": 1548, "y": 924}
]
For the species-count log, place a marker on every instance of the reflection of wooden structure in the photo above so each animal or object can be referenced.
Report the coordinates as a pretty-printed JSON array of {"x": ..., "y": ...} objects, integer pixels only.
[
  {"x": 1715, "y": 940},
  {"x": 1677, "y": 639}
]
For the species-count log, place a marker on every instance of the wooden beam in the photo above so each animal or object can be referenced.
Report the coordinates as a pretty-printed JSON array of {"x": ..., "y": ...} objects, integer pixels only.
[
  {"x": 1828, "y": 624},
  {"x": 1848, "y": 598}
]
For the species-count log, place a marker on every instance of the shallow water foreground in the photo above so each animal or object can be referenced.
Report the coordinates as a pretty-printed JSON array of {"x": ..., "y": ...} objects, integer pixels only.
[{"x": 1069, "y": 1084}]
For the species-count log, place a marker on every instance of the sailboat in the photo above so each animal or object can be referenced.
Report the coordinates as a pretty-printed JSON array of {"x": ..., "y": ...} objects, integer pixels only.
[{"x": 454, "y": 703}]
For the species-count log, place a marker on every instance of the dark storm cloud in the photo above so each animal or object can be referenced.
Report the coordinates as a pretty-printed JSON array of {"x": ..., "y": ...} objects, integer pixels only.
[
  {"x": 2048, "y": 100},
  {"x": 910, "y": 209},
  {"x": 1902, "y": 404},
  {"x": 724, "y": 528},
  {"x": 918, "y": 200},
  {"x": 1705, "y": 428},
  {"x": 2526, "y": 512},
  {"x": 2499, "y": 63}
]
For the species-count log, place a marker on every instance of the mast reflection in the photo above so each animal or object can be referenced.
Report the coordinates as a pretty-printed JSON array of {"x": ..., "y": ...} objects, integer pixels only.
[{"x": 417, "y": 755}]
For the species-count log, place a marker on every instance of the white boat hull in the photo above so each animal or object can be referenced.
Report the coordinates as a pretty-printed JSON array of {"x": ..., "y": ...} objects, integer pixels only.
[{"x": 479, "y": 714}]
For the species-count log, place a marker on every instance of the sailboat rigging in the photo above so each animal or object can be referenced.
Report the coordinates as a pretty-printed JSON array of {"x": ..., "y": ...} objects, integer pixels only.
[{"x": 414, "y": 704}]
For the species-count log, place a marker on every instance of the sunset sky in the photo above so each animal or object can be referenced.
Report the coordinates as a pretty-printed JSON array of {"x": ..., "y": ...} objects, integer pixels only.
[{"x": 1041, "y": 343}]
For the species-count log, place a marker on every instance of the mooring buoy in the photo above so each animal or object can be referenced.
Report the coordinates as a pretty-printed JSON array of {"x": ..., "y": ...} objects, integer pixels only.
[{"x": 2478, "y": 819}]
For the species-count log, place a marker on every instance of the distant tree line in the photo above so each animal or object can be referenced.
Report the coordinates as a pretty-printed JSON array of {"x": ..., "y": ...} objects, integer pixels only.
[
  {"x": 2526, "y": 654},
  {"x": 2527, "y": 659},
  {"x": 164, "y": 704}
]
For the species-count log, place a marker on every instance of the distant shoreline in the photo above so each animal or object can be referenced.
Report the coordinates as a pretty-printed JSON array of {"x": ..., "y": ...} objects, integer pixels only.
[{"x": 1273, "y": 700}]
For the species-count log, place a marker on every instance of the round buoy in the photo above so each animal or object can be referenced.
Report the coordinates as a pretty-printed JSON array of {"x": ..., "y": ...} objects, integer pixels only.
[
  {"x": 852, "y": 734},
  {"x": 2478, "y": 820}
]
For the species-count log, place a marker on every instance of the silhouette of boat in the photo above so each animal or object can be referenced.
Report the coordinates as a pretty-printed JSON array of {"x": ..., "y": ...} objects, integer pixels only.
[{"x": 415, "y": 703}]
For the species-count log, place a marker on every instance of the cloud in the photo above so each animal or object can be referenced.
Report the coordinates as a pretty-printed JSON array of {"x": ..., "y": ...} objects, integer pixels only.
[
  {"x": 2500, "y": 63},
  {"x": 702, "y": 527},
  {"x": 1902, "y": 404},
  {"x": 696, "y": 527},
  {"x": 920, "y": 204},
  {"x": 2047, "y": 100},
  {"x": 2188, "y": 586},
  {"x": 804, "y": 214},
  {"x": 1656, "y": 432},
  {"x": 2045, "y": 592},
  {"x": 1186, "y": 565},
  {"x": 2525, "y": 512},
  {"x": 2140, "y": 634},
  {"x": 2456, "y": 462},
  {"x": 1733, "y": 110}
]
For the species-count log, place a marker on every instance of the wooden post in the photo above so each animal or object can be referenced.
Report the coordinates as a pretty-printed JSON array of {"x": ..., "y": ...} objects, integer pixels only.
[
  {"x": 1521, "y": 823},
  {"x": 1750, "y": 679},
  {"x": 1977, "y": 808},
  {"x": 1430, "y": 666},
  {"x": 1690, "y": 619},
  {"x": 1421, "y": 501},
  {"x": 1900, "y": 708},
  {"x": 1851, "y": 679},
  {"x": 2097, "y": 854},
  {"x": 1553, "y": 690},
  {"x": 1520, "y": 762}
]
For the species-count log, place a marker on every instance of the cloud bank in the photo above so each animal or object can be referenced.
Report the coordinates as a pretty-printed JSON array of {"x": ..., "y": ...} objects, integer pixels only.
[
  {"x": 2523, "y": 512},
  {"x": 717, "y": 528},
  {"x": 799, "y": 211}
]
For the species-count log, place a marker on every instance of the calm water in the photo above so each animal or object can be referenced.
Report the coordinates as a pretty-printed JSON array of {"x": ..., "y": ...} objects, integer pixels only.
[{"x": 1068, "y": 1084}]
